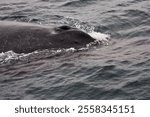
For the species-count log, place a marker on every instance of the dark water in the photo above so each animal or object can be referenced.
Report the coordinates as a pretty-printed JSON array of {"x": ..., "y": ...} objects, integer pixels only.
[{"x": 120, "y": 70}]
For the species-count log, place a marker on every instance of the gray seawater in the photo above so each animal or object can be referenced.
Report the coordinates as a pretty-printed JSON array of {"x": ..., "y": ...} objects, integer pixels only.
[{"x": 120, "y": 70}]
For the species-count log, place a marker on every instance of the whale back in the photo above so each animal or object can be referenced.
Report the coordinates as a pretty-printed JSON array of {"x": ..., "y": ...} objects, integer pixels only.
[{"x": 22, "y": 38}]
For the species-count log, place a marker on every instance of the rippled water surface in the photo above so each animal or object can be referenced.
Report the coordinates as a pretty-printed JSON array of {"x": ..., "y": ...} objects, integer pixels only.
[{"x": 120, "y": 70}]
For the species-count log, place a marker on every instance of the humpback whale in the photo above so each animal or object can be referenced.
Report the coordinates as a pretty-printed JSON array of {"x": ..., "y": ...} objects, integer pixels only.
[{"x": 27, "y": 37}]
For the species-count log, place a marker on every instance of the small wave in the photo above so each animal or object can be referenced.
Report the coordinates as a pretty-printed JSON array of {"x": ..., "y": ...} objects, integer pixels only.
[
  {"x": 12, "y": 57},
  {"x": 7, "y": 56},
  {"x": 78, "y": 3}
]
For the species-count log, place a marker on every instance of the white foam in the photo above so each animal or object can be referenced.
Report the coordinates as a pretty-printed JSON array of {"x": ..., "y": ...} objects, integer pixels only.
[
  {"x": 8, "y": 56},
  {"x": 99, "y": 36}
]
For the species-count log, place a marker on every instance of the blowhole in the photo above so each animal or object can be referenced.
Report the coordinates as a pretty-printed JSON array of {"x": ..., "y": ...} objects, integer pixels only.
[{"x": 65, "y": 27}]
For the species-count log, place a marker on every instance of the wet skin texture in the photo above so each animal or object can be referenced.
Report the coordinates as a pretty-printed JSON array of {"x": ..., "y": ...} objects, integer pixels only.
[{"x": 27, "y": 37}]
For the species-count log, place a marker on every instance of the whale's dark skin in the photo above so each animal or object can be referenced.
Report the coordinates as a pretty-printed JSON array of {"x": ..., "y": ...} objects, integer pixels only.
[{"x": 27, "y": 37}]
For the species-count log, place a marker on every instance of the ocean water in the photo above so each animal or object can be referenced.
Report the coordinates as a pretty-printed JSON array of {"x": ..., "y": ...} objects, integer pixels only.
[{"x": 119, "y": 69}]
